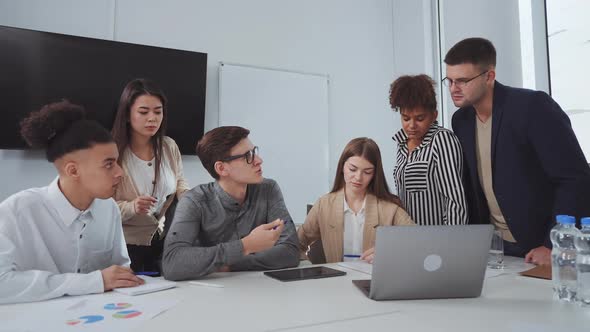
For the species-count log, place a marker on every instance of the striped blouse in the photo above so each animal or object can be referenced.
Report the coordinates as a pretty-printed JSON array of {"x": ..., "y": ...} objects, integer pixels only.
[{"x": 429, "y": 179}]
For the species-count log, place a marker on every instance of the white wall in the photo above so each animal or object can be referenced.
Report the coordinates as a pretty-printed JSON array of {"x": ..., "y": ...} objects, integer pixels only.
[
  {"x": 415, "y": 41},
  {"x": 352, "y": 41},
  {"x": 497, "y": 21}
]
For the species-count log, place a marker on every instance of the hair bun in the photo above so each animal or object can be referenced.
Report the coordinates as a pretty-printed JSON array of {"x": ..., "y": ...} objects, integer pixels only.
[{"x": 41, "y": 127}]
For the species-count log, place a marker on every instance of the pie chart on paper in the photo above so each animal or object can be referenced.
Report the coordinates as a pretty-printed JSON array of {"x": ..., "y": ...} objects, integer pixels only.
[
  {"x": 127, "y": 314},
  {"x": 117, "y": 306},
  {"x": 85, "y": 320}
]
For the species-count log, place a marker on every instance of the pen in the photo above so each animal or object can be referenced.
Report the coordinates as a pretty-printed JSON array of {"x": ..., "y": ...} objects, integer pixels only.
[
  {"x": 352, "y": 256},
  {"x": 207, "y": 284},
  {"x": 147, "y": 273}
]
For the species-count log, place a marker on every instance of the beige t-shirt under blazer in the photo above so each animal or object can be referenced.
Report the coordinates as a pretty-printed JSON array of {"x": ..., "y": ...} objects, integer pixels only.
[{"x": 483, "y": 148}]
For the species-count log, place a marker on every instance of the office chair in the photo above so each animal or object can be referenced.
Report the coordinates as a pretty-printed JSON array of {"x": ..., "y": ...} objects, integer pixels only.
[{"x": 316, "y": 250}]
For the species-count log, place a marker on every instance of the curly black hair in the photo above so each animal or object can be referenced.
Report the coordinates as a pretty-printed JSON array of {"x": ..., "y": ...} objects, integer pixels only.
[
  {"x": 411, "y": 92},
  {"x": 61, "y": 128}
]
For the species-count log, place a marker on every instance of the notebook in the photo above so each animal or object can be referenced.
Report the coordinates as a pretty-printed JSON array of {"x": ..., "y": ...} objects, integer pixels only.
[
  {"x": 540, "y": 271},
  {"x": 359, "y": 265},
  {"x": 151, "y": 285}
]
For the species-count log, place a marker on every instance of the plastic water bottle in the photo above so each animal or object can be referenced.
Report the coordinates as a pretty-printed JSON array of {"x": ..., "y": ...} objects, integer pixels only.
[
  {"x": 583, "y": 263},
  {"x": 563, "y": 258}
]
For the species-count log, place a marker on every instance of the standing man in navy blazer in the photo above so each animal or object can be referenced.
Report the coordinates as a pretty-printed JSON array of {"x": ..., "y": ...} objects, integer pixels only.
[{"x": 524, "y": 164}]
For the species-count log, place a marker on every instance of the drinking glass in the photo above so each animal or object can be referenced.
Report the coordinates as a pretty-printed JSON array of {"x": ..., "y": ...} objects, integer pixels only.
[{"x": 496, "y": 255}]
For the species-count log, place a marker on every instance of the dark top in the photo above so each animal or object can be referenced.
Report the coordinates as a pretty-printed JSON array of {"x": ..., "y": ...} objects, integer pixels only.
[
  {"x": 538, "y": 167},
  {"x": 208, "y": 227}
]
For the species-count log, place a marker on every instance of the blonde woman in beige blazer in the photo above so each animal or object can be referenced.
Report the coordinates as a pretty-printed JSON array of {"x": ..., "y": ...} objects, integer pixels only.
[
  {"x": 153, "y": 172},
  {"x": 361, "y": 199}
]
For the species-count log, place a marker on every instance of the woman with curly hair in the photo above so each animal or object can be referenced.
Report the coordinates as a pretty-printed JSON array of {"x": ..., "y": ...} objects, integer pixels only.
[{"x": 429, "y": 157}]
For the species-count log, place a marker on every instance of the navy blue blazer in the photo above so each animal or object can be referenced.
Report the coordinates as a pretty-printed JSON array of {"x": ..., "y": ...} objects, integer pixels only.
[{"x": 538, "y": 167}]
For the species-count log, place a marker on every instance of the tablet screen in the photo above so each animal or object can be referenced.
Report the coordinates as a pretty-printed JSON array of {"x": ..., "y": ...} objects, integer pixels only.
[{"x": 305, "y": 273}]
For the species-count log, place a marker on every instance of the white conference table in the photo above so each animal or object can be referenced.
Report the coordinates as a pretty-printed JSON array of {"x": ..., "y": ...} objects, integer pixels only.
[{"x": 251, "y": 301}]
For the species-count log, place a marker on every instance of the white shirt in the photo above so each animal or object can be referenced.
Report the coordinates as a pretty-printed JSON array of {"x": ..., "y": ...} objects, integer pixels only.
[
  {"x": 142, "y": 172},
  {"x": 353, "y": 232},
  {"x": 48, "y": 248}
]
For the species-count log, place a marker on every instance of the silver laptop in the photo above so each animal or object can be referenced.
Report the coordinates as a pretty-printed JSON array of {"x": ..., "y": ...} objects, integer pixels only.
[{"x": 428, "y": 262}]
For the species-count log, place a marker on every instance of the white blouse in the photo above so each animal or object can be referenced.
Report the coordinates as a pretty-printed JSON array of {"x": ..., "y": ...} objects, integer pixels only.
[
  {"x": 143, "y": 174},
  {"x": 353, "y": 232}
]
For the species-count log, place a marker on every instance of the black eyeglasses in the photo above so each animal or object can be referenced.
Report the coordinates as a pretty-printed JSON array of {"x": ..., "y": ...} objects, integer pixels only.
[
  {"x": 460, "y": 82},
  {"x": 249, "y": 156}
]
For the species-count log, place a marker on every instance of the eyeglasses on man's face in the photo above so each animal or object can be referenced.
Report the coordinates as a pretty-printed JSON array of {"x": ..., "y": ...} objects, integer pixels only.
[
  {"x": 249, "y": 156},
  {"x": 460, "y": 82}
]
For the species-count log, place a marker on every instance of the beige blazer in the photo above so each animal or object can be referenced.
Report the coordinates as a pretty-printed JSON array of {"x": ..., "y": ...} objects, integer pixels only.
[
  {"x": 325, "y": 221},
  {"x": 140, "y": 229}
]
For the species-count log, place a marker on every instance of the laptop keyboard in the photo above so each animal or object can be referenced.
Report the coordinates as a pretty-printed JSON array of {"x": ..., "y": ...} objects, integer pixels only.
[{"x": 364, "y": 285}]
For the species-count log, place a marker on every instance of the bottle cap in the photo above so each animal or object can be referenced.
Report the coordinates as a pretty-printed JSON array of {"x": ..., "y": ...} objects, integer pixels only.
[{"x": 565, "y": 219}]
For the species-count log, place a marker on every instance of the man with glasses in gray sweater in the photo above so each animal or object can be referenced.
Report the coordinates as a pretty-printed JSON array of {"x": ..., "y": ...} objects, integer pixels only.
[{"x": 239, "y": 222}]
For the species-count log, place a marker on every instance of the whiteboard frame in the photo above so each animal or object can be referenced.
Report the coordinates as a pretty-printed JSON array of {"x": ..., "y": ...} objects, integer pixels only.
[{"x": 329, "y": 105}]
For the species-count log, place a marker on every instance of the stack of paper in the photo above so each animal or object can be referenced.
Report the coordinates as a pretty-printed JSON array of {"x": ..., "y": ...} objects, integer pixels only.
[
  {"x": 151, "y": 285},
  {"x": 359, "y": 265}
]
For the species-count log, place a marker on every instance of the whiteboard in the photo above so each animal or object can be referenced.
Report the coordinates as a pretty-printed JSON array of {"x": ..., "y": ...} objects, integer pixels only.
[{"x": 287, "y": 115}]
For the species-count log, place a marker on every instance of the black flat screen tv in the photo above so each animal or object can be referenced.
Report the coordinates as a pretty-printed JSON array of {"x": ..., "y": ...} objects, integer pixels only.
[{"x": 37, "y": 68}]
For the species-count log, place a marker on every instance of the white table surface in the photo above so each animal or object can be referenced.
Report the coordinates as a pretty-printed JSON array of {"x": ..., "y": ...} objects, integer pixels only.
[{"x": 251, "y": 301}]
